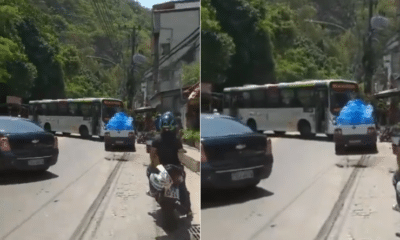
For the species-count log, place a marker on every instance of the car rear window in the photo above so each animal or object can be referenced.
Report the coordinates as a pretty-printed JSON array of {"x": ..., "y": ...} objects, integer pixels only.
[
  {"x": 18, "y": 126},
  {"x": 218, "y": 127}
]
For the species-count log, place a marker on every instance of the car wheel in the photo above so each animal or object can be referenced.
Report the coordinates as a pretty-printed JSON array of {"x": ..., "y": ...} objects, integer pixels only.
[
  {"x": 47, "y": 127},
  {"x": 374, "y": 147},
  {"x": 252, "y": 124},
  {"x": 107, "y": 147},
  {"x": 339, "y": 148}
]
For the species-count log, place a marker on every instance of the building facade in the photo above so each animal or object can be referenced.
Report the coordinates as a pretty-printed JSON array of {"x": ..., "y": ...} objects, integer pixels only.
[{"x": 176, "y": 41}]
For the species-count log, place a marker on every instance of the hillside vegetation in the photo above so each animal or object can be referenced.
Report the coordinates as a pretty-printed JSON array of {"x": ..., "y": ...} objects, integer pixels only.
[
  {"x": 262, "y": 42},
  {"x": 69, "y": 48}
]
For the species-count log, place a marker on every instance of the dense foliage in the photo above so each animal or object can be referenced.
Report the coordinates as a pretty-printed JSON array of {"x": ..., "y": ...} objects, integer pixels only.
[
  {"x": 256, "y": 41},
  {"x": 69, "y": 48}
]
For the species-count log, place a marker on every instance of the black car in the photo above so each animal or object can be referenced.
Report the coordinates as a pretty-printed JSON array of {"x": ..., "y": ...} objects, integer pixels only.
[
  {"x": 232, "y": 155},
  {"x": 24, "y": 145}
]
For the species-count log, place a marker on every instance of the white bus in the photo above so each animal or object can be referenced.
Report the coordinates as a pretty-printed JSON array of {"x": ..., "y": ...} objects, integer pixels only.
[
  {"x": 85, "y": 116},
  {"x": 308, "y": 107}
]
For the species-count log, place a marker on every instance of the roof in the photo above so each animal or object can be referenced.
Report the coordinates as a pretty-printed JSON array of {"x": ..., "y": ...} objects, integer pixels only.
[
  {"x": 292, "y": 84},
  {"x": 193, "y": 91},
  {"x": 388, "y": 93},
  {"x": 75, "y": 100}
]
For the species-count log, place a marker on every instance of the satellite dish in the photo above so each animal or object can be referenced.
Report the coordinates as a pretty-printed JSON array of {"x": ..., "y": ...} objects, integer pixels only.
[
  {"x": 379, "y": 22},
  {"x": 139, "y": 59}
]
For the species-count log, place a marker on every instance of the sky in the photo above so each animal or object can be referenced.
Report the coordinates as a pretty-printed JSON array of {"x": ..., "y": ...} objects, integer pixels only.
[{"x": 150, "y": 3}]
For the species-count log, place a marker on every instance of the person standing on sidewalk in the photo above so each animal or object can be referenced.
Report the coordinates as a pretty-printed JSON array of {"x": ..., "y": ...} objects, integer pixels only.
[
  {"x": 165, "y": 150},
  {"x": 396, "y": 179}
]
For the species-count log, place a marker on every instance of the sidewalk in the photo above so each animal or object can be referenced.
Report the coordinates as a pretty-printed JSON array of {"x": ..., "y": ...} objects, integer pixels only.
[
  {"x": 367, "y": 212},
  {"x": 192, "y": 158},
  {"x": 127, "y": 213}
]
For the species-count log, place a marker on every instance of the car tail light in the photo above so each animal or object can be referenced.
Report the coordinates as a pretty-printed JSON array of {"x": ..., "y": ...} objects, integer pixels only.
[
  {"x": 338, "y": 131},
  {"x": 131, "y": 134},
  {"x": 4, "y": 145},
  {"x": 371, "y": 130},
  {"x": 203, "y": 154},
  {"x": 269, "y": 147},
  {"x": 55, "y": 142}
]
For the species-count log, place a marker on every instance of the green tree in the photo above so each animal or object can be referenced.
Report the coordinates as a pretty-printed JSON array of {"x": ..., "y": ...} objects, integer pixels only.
[{"x": 191, "y": 73}]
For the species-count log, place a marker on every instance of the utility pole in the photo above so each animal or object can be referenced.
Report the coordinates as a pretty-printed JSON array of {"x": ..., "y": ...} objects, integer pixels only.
[
  {"x": 368, "y": 59},
  {"x": 130, "y": 84}
]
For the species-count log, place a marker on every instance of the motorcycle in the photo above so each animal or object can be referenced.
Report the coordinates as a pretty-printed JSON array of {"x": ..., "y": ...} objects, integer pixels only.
[{"x": 164, "y": 187}]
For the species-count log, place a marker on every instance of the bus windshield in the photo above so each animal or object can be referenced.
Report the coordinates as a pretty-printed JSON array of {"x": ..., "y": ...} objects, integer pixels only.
[
  {"x": 341, "y": 94},
  {"x": 110, "y": 108}
]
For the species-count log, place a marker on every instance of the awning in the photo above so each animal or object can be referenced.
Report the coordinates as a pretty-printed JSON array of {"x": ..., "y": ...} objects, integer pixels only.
[{"x": 388, "y": 93}]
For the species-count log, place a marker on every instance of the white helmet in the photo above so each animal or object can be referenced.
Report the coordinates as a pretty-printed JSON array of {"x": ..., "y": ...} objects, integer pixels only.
[{"x": 161, "y": 180}]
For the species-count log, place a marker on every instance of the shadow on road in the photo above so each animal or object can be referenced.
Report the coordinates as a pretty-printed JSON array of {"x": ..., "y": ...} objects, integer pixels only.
[
  {"x": 218, "y": 198},
  {"x": 314, "y": 138},
  {"x": 357, "y": 151},
  {"x": 20, "y": 177},
  {"x": 181, "y": 233},
  {"x": 93, "y": 139}
]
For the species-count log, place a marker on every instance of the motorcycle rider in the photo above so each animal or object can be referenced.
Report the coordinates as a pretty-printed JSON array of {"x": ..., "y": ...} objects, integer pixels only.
[{"x": 165, "y": 150}]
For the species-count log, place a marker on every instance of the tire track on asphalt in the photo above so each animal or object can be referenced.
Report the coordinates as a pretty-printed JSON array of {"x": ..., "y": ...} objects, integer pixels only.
[
  {"x": 103, "y": 211},
  {"x": 318, "y": 176},
  {"x": 83, "y": 226},
  {"x": 332, "y": 218},
  {"x": 49, "y": 201},
  {"x": 341, "y": 225}
]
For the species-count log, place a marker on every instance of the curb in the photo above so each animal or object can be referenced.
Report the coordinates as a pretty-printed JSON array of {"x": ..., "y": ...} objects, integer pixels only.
[{"x": 191, "y": 163}]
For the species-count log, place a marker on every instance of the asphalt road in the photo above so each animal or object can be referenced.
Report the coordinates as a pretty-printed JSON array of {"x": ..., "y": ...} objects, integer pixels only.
[
  {"x": 301, "y": 199},
  {"x": 88, "y": 194}
]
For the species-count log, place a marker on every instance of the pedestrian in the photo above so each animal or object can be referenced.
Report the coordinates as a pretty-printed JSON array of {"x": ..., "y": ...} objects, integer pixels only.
[{"x": 396, "y": 179}]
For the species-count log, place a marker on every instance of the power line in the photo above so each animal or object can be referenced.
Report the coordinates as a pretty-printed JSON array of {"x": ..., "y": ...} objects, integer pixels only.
[
  {"x": 107, "y": 14},
  {"x": 104, "y": 26},
  {"x": 180, "y": 48}
]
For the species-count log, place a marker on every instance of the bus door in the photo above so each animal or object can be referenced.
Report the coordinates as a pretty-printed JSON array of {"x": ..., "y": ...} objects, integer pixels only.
[
  {"x": 321, "y": 113},
  {"x": 96, "y": 108}
]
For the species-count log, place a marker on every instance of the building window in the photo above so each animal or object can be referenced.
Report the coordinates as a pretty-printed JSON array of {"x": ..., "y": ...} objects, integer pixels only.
[{"x": 165, "y": 48}]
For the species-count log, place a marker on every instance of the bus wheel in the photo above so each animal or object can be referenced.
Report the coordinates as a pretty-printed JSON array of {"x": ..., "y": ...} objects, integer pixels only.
[
  {"x": 47, "y": 127},
  {"x": 279, "y": 132},
  {"x": 305, "y": 129},
  {"x": 252, "y": 124},
  {"x": 330, "y": 137},
  {"x": 84, "y": 132}
]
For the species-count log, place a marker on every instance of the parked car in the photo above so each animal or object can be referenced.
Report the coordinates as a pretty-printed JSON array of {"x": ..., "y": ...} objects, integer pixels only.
[
  {"x": 355, "y": 135},
  {"x": 24, "y": 145},
  {"x": 232, "y": 155},
  {"x": 122, "y": 138}
]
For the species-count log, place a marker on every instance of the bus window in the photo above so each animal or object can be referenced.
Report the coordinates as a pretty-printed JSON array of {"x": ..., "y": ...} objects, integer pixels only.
[
  {"x": 63, "y": 109},
  {"x": 306, "y": 97},
  {"x": 86, "y": 110},
  {"x": 73, "y": 109},
  {"x": 43, "y": 108},
  {"x": 52, "y": 109},
  {"x": 273, "y": 97},
  {"x": 258, "y": 98},
  {"x": 227, "y": 100},
  {"x": 287, "y": 97},
  {"x": 246, "y": 100}
]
